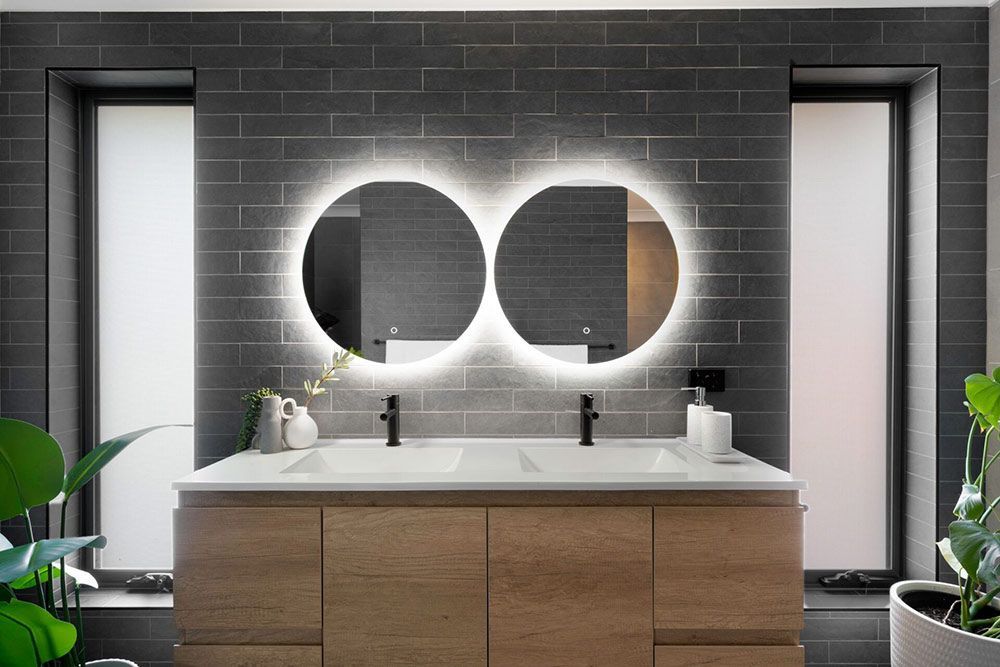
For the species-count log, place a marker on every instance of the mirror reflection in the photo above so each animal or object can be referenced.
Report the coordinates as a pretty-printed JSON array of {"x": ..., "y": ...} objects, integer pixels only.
[
  {"x": 395, "y": 270},
  {"x": 586, "y": 272}
]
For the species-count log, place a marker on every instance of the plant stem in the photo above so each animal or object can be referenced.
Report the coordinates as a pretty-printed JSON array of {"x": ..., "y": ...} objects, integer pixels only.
[
  {"x": 986, "y": 455},
  {"x": 982, "y": 519},
  {"x": 982, "y": 602},
  {"x": 968, "y": 451},
  {"x": 79, "y": 626},
  {"x": 966, "y": 591}
]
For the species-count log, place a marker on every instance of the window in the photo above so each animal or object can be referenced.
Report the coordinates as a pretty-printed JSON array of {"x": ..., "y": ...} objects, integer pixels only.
[
  {"x": 139, "y": 257},
  {"x": 843, "y": 382}
]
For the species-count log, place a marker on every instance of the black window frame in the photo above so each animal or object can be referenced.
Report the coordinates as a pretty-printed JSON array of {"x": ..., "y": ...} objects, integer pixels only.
[
  {"x": 897, "y": 98},
  {"x": 90, "y": 102}
]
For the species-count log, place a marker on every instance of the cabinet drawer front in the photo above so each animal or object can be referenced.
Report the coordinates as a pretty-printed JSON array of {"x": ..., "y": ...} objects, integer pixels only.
[
  {"x": 728, "y": 568},
  {"x": 404, "y": 586},
  {"x": 248, "y": 656},
  {"x": 730, "y": 656},
  {"x": 248, "y": 569},
  {"x": 570, "y": 586}
]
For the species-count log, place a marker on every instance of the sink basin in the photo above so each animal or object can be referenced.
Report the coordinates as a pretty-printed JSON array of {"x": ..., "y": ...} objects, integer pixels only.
[
  {"x": 597, "y": 460},
  {"x": 385, "y": 460}
]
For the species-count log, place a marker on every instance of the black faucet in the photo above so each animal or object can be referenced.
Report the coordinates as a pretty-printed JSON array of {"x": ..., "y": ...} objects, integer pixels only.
[
  {"x": 391, "y": 419},
  {"x": 587, "y": 417}
]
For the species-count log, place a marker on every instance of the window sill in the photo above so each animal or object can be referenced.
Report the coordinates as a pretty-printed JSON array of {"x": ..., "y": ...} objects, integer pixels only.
[
  {"x": 120, "y": 598},
  {"x": 822, "y": 599}
]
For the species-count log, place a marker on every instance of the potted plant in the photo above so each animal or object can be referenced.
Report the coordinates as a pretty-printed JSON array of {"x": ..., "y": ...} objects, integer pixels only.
[
  {"x": 37, "y": 624},
  {"x": 941, "y": 624}
]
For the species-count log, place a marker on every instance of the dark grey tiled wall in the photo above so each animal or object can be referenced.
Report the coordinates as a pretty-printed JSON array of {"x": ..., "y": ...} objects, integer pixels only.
[
  {"x": 423, "y": 270},
  {"x": 688, "y": 107},
  {"x": 920, "y": 329},
  {"x": 847, "y": 638},
  {"x": 64, "y": 372},
  {"x": 144, "y": 636},
  {"x": 562, "y": 265}
]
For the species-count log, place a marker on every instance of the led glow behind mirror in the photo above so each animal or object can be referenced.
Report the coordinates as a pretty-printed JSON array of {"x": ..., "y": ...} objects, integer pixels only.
[
  {"x": 586, "y": 272},
  {"x": 395, "y": 270}
]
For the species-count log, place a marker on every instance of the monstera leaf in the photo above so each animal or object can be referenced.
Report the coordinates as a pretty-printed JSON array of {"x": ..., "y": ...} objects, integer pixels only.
[
  {"x": 29, "y": 635},
  {"x": 31, "y": 467},
  {"x": 20, "y": 561},
  {"x": 977, "y": 548},
  {"x": 100, "y": 456},
  {"x": 983, "y": 393}
]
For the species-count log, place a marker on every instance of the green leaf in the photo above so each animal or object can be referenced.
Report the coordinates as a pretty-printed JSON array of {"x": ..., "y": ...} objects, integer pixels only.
[
  {"x": 31, "y": 467},
  {"x": 977, "y": 548},
  {"x": 81, "y": 577},
  {"x": 971, "y": 503},
  {"x": 983, "y": 393},
  {"x": 944, "y": 546},
  {"x": 100, "y": 456},
  {"x": 19, "y": 561},
  {"x": 980, "y": 418},
  {"x": 25, "y": 627}
]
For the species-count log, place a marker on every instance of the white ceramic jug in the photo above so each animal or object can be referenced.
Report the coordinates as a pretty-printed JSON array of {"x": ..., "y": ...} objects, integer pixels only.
[{"x": 300, "y": 429}]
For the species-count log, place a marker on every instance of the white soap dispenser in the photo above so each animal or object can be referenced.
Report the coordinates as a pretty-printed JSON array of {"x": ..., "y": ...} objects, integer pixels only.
[{"x": 695, "y": 411}]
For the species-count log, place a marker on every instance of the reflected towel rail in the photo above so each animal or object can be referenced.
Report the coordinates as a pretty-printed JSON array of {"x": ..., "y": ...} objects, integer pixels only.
[{"x": 592, "y": 346}]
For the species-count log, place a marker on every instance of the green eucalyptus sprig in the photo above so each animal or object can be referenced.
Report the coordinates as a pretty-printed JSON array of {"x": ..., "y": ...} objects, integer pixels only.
[{"x": 341, "y": 361}]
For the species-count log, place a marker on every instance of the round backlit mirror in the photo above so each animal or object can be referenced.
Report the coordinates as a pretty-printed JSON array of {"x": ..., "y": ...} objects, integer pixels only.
[
  {"x": 586, "y": 272},
  {"x": 395, "y": 270}
]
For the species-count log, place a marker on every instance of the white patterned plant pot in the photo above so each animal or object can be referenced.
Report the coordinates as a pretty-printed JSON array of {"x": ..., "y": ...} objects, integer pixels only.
[{"x": 919, "y": 641}]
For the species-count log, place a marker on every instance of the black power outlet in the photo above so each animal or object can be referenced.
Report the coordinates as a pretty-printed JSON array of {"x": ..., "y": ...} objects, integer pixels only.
[{"x": 712, "y": 379}]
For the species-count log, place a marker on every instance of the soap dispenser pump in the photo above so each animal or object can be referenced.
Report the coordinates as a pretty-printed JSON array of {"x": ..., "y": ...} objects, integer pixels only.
[{"x": 694, "y": 412}]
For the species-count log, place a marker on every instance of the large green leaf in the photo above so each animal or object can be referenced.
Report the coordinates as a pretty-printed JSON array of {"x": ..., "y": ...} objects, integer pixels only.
[
  {"x": 25, "y": 627},
  {"x": 100, "y": 456},
  {"x": 19, "y": 561},
  {"x": 977, "y": 548},
  {"x": 31, "y": 467},
  {"x": 983, "y": 393}
]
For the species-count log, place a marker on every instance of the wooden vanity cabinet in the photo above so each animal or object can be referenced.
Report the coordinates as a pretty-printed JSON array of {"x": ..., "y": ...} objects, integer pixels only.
[
  {"x": 248, "y": 575},
  {"x": 664, "y": 579},
  {"x": 404, "y": 586},
  {"x": 728, "y": 568},
  {"x": 570, "y": 585}
]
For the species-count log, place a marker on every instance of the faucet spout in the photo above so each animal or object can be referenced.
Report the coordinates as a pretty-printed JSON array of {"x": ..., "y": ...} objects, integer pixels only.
[
  {"x": 588, "y": 415},
  {"x": 391, "y": 419}
]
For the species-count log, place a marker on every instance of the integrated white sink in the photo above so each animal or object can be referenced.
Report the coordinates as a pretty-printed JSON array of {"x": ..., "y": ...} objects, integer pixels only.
[
  {"x": 384, "y": 460},
  {"x": 484, "y": 464},
  {"x": 597, "y": 460}
]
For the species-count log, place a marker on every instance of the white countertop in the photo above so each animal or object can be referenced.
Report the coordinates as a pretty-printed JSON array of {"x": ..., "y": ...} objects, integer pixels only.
[{"x": 485, "y": 464}]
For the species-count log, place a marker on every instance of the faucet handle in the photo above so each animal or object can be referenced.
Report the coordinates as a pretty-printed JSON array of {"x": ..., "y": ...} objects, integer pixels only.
[{"x": 389, "y": 397}]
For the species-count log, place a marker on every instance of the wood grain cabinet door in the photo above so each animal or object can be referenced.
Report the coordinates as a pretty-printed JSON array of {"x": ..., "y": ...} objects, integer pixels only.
[
  {"x": 248, "y": 656},
  {"x": 404, "y": 586},
  {"x": 730, "y": 656},
  {"x": 731, "y": 568},
  {"x": 570, "y": 586},
  {"x": 248, "y": 575}
]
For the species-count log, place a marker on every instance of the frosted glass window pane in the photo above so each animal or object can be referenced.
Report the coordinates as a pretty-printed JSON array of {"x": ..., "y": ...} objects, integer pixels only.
[
  {"x": 839, "y": 328},
  {"x": 145, "y": 190}
]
